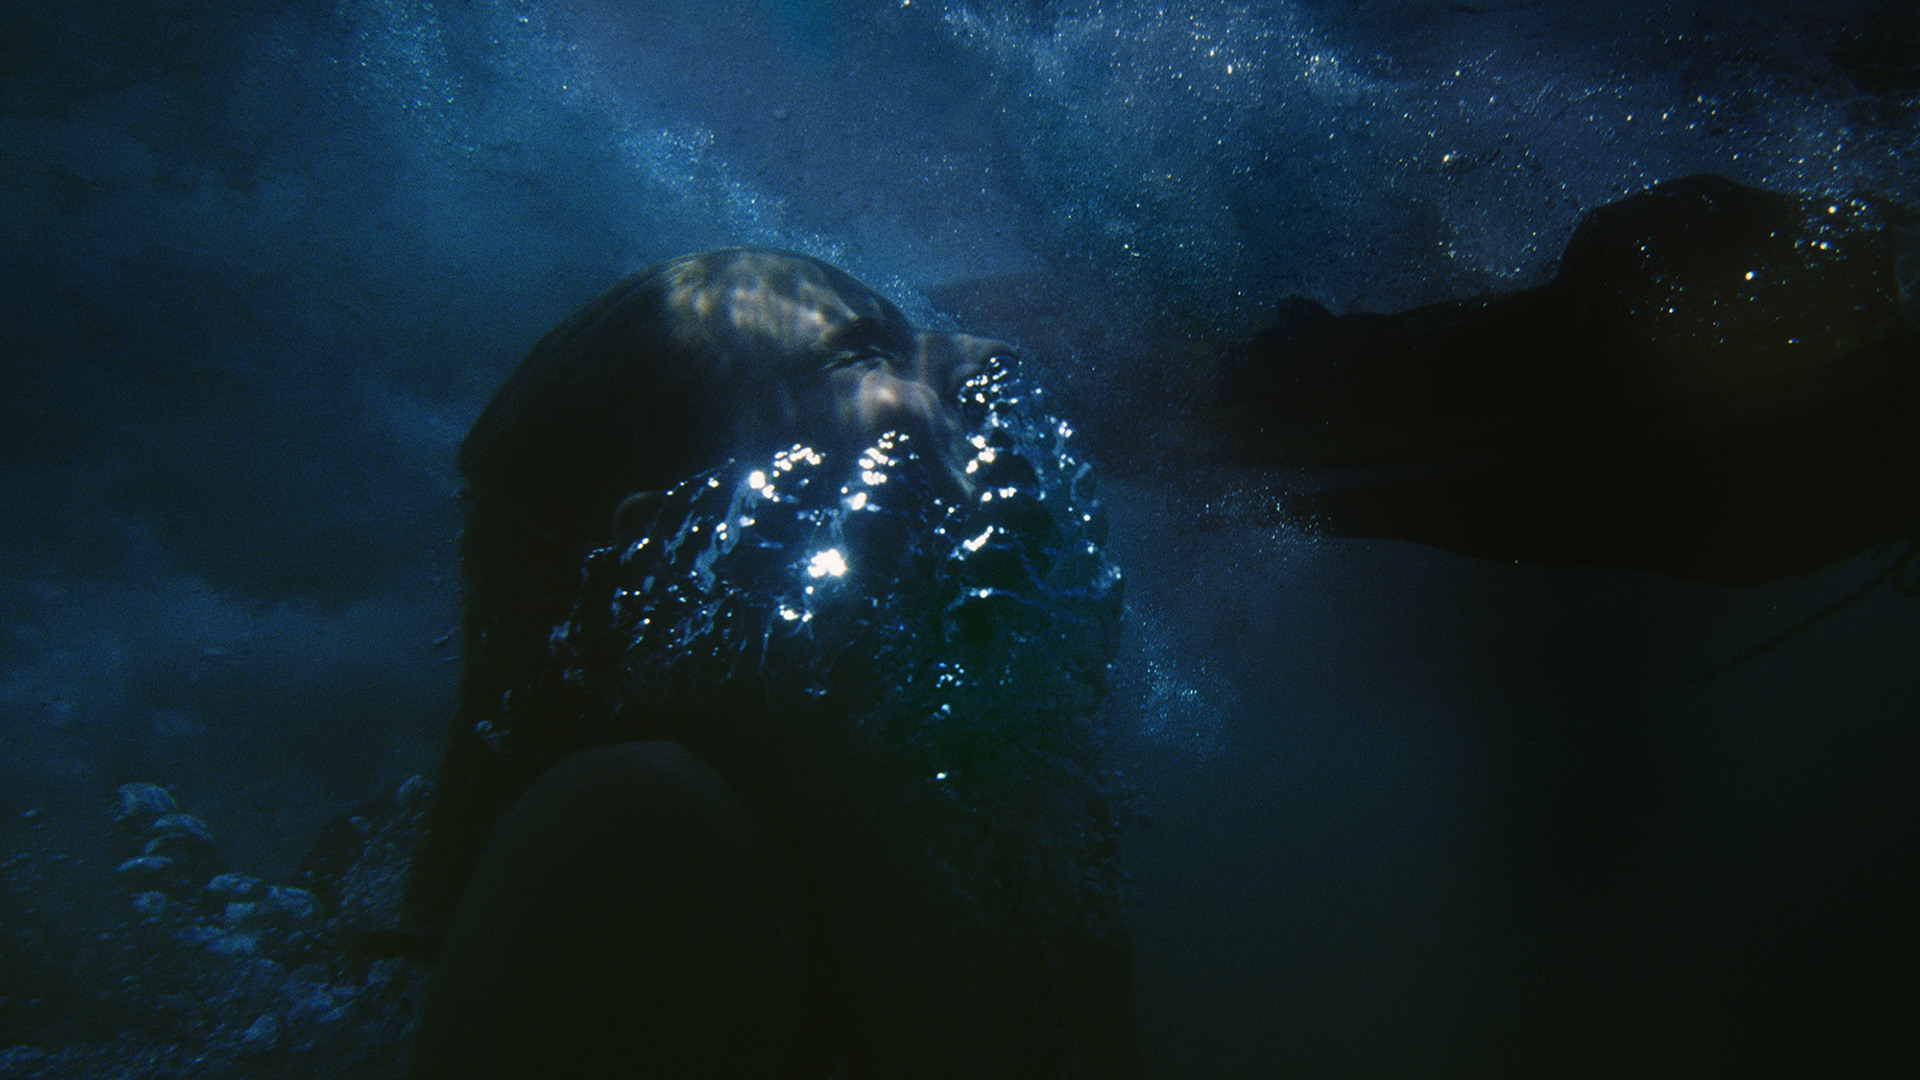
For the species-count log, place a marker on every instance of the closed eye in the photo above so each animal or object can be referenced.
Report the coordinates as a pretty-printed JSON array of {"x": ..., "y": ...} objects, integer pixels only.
[
  {"x": 855, "y": 341},
  {"x": 855, "y": 358}
]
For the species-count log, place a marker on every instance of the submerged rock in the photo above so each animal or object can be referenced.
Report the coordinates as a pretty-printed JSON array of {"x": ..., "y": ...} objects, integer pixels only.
[
  {"x": 261, "y": 1036},
  {"x": 142, "y": 802},
  {"x": 1719, "y": 384},
  {"x": 211, "y": 971}
]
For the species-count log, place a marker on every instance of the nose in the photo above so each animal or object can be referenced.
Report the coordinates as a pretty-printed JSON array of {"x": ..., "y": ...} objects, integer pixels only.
[
  {"x": 946, "y": 361},
  {"x": 882, "y": 401}
]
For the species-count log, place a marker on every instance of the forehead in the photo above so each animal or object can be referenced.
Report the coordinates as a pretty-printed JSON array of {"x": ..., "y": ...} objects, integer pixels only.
[{"x": 772, "y": 303}]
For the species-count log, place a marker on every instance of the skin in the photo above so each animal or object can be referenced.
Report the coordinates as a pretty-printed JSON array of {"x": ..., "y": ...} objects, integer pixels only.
[{"x": 669, "y": 935}]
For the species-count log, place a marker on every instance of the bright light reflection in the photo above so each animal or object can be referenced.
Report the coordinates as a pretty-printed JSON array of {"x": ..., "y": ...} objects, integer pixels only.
[
  {"x": 858, "y": 501},
  {"x": 828, "y": 562}
]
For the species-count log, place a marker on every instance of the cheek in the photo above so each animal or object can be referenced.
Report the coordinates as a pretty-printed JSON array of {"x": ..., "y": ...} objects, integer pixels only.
[{"x": 882, "y": 401}]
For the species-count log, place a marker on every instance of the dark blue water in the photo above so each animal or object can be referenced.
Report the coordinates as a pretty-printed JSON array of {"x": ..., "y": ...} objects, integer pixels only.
[{"x": 1411, "y": 813}]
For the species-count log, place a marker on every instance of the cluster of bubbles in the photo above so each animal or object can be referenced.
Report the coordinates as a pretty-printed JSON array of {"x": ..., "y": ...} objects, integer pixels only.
[
  {"x": 813, "y": 577},
  {"x": 955, "y": 636}
]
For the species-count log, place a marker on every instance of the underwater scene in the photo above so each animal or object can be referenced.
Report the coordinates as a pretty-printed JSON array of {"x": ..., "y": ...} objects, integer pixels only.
[{"x": 893, "y": 538}]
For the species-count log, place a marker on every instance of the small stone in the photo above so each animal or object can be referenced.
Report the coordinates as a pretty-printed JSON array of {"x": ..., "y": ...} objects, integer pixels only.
[
  {"x": 412, "y": 792},
  {"x": 143, "y": 865},
  {"x": 141, "y": 799},
  {"x": 197, "y": 934},
  {"x": 262, "y": 1035},
  {"x": 221, "y": 943},
  {"x": 316, "y": 1002},
  {"x": 299, "y": 903},
  {"x": 241, "y": 885},
  {"x": 182, "y": 825},
  {"x": 150, "y": 906}
]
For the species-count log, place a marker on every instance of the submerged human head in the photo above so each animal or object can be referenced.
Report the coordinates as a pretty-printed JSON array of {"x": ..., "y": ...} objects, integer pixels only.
[
  {"x": 703, "y": 359},
  {"x": 731, "y": 354},
  {"x": 739, "y": 505}
]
